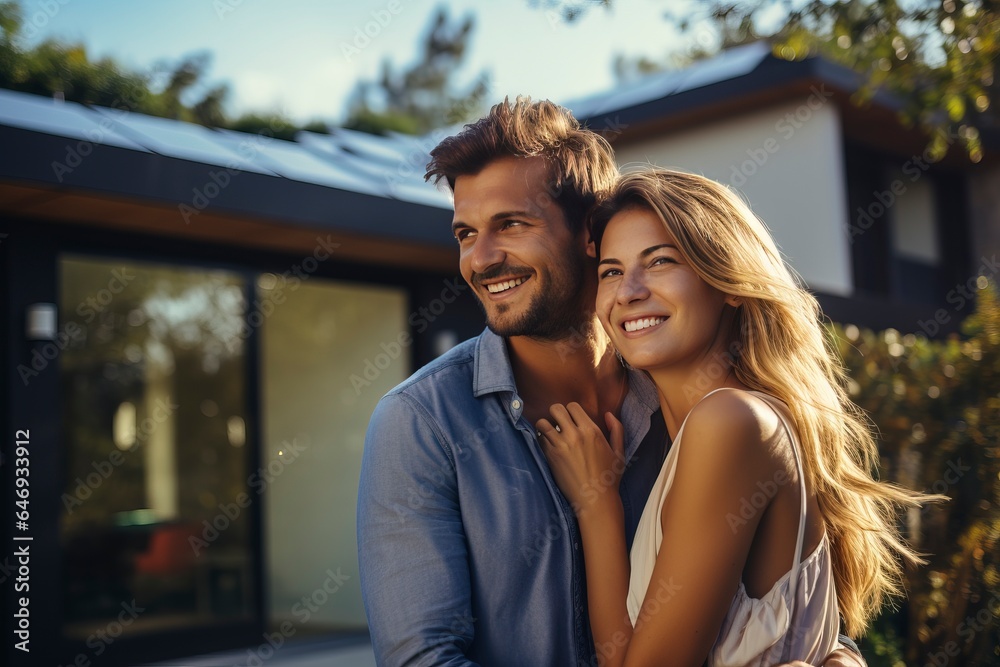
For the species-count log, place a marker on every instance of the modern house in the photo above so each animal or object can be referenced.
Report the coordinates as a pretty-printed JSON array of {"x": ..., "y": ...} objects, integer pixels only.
[
  {"x": 198, "y": 324},
  {"x": 882, "y": 232}
]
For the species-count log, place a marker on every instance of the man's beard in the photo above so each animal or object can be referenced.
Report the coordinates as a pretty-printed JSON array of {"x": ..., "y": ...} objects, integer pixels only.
[{"x": 555, "y": 313}]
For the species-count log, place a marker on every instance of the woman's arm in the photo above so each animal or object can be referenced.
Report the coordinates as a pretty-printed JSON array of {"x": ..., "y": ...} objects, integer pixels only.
[
  {"x": 724, "y": 455},
  {"x": 588, "y": 472},
  {"x": 606, "y": 559}
]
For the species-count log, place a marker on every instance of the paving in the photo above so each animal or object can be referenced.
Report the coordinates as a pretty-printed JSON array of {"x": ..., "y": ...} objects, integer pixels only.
[{"x": 309, "y": 653}]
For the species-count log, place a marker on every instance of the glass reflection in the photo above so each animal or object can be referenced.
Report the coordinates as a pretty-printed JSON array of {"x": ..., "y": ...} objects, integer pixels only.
[{"x": 154, "y": 400}]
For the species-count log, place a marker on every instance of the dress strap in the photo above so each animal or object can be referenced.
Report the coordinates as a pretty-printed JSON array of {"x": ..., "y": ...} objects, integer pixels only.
[{"x": 800, "y": 539}]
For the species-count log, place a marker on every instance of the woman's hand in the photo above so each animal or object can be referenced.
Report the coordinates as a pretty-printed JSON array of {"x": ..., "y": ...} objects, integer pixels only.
[
  {"x": 842, "y": 657},
  {"x": 584, "y": 465}
]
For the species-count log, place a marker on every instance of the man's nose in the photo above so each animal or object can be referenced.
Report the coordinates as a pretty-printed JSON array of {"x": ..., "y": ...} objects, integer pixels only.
[{"x": 486, "y": 252}]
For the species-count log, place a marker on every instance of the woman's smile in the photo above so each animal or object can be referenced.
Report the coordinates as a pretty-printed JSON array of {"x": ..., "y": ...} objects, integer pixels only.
[{"x": 641, "y": 325}]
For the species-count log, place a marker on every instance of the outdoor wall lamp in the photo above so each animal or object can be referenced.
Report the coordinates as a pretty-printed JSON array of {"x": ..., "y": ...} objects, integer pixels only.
[
  {"x": 444, "y": 340},
  {"x": 40, "y": 322}
]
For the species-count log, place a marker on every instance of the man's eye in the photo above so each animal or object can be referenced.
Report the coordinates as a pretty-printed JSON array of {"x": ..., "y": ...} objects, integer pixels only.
[
  {"x": 511, "y": 223},
  {"x": 462, "y": 234}
]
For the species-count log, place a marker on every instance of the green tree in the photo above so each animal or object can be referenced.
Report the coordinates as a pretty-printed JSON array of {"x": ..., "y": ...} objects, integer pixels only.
[
  {"x": 423, "y": 96},
  {"x": 274, "y": 125},
  {"x": 939, "y": 56},
  {"x": 184, "y": 77},
  {"x": 10, "y": 27},
  {"x": 569, "y": 9},
  {"x": 936, "y": 406},
  {"x": 54, "y": 68}
]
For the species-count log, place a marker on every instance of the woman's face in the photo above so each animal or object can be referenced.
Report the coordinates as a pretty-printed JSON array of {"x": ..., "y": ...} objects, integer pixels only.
[{"x": 656, "y": 309}]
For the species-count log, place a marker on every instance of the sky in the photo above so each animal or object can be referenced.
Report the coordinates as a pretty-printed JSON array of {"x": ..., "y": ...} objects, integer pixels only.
[{"x": 303, "y": 57}]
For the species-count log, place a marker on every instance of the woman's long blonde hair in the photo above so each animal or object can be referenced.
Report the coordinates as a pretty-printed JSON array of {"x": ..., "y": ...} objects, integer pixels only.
[{"x": 783, "y": 352}]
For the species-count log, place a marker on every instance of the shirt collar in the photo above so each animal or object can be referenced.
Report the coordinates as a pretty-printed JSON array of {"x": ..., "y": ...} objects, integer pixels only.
[
  {"x": 494, "y": 374},
  {"x": 641, "y": 401}
]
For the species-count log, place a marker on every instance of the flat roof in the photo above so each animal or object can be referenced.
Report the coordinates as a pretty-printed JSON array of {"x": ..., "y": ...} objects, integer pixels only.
[
  {"x": 94, "y": 165},
  {"x": 109, "y": 167}
]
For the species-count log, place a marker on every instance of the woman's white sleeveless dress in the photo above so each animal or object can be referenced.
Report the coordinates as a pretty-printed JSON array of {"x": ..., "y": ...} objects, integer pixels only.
[{"x": 798, "y": 619}]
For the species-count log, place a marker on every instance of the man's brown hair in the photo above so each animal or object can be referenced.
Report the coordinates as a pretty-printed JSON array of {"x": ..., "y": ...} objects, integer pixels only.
[{"x": 581, "y": 162}]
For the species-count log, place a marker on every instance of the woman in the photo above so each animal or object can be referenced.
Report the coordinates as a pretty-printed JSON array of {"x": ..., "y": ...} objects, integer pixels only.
[{"x": 764, "y": 526}]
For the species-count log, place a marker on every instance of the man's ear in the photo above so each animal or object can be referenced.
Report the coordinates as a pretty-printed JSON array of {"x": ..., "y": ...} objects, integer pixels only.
[{"x": 591, "y": 246}]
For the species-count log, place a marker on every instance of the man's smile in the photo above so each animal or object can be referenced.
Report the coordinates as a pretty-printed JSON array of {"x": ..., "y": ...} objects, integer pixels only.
[
  {"x": 503, "y": 287},
  {"x": 496, "y": 288}
]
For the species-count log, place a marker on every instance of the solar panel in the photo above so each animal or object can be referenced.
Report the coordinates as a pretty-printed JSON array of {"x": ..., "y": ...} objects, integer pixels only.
[
  {"x": 64, "y": 119},
  {"x": 424, "y": 143},
  {"x": 389, "y": 166},
  {"x": 405, "y": 182},
  {"x": 289, "y": 159},
  {"x": 422, "y": 194},
  {"x": 396, "y": 163},
  {"x": 727, "y": 65},
  {"x": 178, "y": 139},
  {"x": 370, "y": 146},
  {"x": 648, "y": 88}
]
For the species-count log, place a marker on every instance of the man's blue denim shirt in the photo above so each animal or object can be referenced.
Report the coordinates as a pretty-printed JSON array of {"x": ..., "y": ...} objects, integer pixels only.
[{"x": 469, "y": 553}]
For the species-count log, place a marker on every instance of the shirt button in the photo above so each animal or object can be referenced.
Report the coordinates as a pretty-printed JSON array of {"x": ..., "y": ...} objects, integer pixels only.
[{"x": 516, "y": 404}]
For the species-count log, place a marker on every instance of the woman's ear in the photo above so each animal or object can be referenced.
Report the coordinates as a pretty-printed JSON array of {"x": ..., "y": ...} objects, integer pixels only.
[{"x": 733, "y": 301}]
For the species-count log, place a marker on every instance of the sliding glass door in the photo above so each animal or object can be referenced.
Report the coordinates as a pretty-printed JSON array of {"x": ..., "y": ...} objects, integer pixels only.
[
  {"x": 328, "y": 353},
  {"x": 155, "y": 530},
  {"x": 177, "y": 520}
]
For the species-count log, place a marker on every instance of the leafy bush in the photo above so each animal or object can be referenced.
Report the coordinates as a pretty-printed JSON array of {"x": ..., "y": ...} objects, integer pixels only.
[{"x": 936, "y": 408}]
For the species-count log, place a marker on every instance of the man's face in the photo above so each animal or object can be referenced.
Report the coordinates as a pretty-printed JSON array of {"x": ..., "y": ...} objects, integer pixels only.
[{"x": 529, "y": 272}]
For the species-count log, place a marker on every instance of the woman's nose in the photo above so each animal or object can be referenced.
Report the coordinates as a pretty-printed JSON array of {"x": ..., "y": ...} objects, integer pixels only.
[{"x": 632, "y": 288}]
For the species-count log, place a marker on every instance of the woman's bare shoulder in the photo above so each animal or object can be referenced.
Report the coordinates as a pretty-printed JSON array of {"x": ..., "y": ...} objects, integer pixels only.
[{"x": 740, "y": 425}]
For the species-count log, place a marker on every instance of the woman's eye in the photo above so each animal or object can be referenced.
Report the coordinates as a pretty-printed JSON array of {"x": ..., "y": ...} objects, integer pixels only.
[
  {"x": 663, "y": 260},
  {"x": 610, "y": 272}
]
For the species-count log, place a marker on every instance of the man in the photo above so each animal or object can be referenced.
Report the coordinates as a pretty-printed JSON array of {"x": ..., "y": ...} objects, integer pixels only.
[{"x": 469, "y": 553}]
